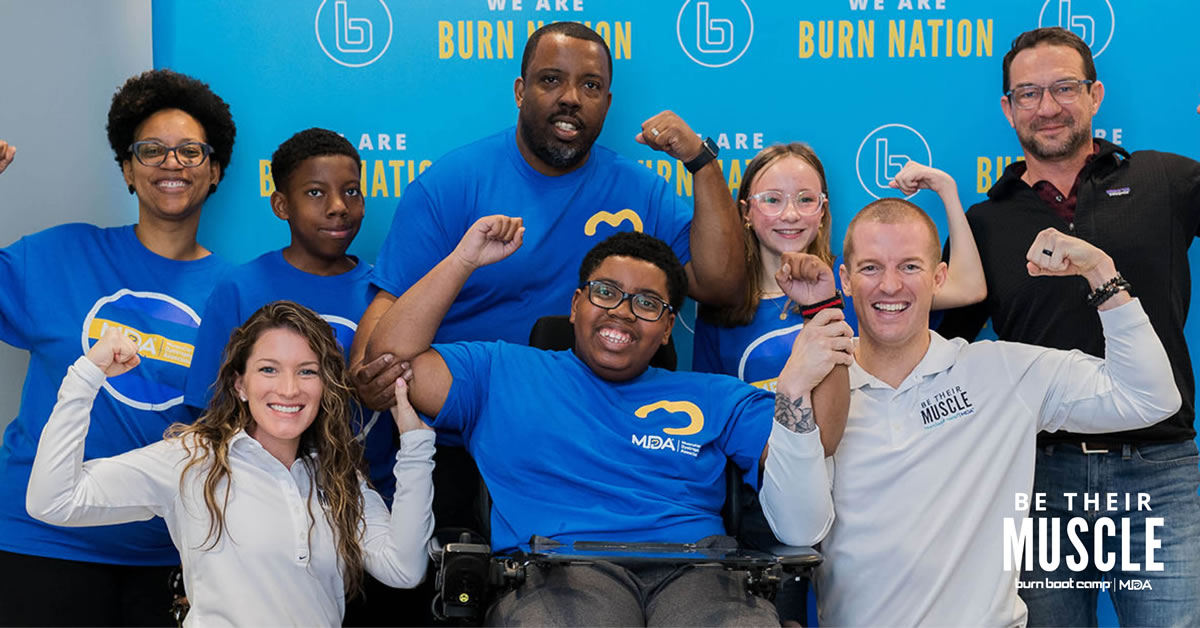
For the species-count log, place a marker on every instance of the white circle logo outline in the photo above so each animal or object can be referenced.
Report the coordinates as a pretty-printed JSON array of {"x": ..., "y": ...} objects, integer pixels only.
[
  {"x": 1111, "y": 31},
  {"x": 858, "y": 155},
  {"x": 679, "y": 37},
  {"x": 87, "y": 322},
  {"x": 317, "y": 32}
]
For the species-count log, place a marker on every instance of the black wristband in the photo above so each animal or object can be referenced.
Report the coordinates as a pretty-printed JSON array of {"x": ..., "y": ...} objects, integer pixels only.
[
  {"x": 1108, "y": 290},
  {"x": 809, "y": 311},
  {"x": 708, "y": 152}
]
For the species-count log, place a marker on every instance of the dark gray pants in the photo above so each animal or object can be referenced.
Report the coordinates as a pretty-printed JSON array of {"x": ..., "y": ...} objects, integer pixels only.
[{"x": 605, "y": 594}]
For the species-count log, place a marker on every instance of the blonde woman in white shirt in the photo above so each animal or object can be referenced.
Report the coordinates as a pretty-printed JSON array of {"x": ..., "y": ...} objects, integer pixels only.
[{"x": 263, "y": 495}]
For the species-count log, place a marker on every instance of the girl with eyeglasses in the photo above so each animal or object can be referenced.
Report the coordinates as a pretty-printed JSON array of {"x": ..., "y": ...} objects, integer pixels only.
[
  {"x": 60, "y": 290},
  {"x": 784, "y": 203}
]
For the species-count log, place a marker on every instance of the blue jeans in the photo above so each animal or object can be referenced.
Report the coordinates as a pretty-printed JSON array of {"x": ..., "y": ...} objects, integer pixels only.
[{"x": 1170, "y": 475}]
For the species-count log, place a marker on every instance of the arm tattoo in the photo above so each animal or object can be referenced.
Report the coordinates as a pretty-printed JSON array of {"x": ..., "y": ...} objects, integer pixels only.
[{"x": 794, "y": 415}]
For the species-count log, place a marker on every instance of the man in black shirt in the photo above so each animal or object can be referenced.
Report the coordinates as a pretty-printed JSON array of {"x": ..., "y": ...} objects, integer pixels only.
[{"x": 1144, "y": 210}]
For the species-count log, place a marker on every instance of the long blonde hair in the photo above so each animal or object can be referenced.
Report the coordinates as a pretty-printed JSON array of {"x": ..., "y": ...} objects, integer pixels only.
[
  {"x": 334, "y": 470},
  {"x": 743, "y": 312}
]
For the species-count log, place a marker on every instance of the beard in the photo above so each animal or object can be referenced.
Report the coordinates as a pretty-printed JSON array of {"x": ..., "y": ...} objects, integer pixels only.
[
  {"x": 553, "y": 151},
  {"x": 1054, "y": 151}
]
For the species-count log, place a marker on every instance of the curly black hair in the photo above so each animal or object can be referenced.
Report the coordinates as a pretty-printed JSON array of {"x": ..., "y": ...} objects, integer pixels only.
[
  {"x": 644, "y": 247},
  {"x": 150, "y": 92},
  {"x": 308, "y": 143}
]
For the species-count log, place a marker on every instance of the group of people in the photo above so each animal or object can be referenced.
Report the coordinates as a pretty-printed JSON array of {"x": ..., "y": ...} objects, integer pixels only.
[{"x": 271, "y": 433}]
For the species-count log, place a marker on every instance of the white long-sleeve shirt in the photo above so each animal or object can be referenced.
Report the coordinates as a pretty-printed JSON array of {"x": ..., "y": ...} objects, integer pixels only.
[
  {"x": 926, "y": 473},
  {"x": 274, "y": 564}
]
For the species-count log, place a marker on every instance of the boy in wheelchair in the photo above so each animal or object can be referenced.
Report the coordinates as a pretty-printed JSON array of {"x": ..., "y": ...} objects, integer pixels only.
[{"x": 594, "y": 444}]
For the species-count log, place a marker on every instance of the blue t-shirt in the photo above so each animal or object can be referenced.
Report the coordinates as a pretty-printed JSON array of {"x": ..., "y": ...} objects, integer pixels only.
[
  {"x": 568, "y": 455},
  {"x": 564, "y": 218},
  {"x": 755, "y": 353},
  {"x": 60, "y": 289},
  {"x": 340, "y": 300}
]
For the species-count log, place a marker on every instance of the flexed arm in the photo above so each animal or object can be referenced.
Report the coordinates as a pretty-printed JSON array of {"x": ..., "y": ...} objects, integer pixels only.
[
  {"x": 965, "y": 283},
  {"x": 718, "y": 257},
  {"x": 827, "y": 347},
  {"x": 63, "y": 490},
  {"x": 406, "y": 329}
]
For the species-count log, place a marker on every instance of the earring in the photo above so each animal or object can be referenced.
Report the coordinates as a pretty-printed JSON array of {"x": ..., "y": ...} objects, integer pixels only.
[
  {"x": 748, "y": 226},
  {"x": 132, "y": 189},
  {"x": 243, "y": 398},
  {"x": 212, "y": 188}
]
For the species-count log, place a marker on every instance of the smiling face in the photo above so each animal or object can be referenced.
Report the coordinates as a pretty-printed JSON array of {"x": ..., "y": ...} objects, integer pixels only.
[
  {"x": 614, "y": 343},
  {"x": 324, "y": 209},
  {"x": 170, "y": 192},
  {"x": 1052, "y": 131},
  {"x": 790, "y": 230},
  {"x": 892, "y": 276},
  {"x": 563, "y": 99},
  {"x": 282, "y": 386}
]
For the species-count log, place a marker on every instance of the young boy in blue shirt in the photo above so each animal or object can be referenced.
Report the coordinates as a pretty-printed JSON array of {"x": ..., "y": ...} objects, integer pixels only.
[{"x": 317, "y": 174}]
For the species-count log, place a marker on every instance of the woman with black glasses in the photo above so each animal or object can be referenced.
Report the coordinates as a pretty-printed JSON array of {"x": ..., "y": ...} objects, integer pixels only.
[{"x": 60, "y": 290}]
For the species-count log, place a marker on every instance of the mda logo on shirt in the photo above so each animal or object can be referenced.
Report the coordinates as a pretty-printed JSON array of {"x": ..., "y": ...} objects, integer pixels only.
[
  {"x": 655, "y": 442},
  {"x": 164, "y": 330}
]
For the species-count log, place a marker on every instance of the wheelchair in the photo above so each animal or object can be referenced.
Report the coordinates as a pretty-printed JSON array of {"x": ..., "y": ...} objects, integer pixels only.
[{"x": 469, "y": 577}]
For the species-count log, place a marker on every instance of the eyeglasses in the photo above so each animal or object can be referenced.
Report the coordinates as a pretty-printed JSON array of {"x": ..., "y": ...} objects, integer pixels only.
[
  {"x": 152, "y": 153},
  {"x": 645, "y": 306},
  {"x": 1063, "y": 92},
  {"x": 773, "y": 202}
]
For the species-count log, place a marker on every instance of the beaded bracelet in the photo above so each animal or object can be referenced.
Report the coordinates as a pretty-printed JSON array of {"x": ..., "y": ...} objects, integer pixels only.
[{"x": 1108, "y": 290}]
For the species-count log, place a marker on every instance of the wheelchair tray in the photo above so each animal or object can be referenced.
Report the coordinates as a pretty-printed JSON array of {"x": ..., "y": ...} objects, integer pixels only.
[{"x": 552, "y": 552}]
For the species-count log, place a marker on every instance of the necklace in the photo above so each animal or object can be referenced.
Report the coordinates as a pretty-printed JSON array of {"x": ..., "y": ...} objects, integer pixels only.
[{"x": 783, "y": 308}]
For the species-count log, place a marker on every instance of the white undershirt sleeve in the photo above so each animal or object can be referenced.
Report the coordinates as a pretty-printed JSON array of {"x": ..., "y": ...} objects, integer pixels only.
[
  {"x": 796, "y": 493},
  {"x": 394, "y": 547},
  {"x": 64, "y": 490}
]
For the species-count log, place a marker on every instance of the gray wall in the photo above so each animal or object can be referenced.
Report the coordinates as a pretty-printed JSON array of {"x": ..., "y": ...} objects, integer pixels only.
[{"x": 60, "y": 63}]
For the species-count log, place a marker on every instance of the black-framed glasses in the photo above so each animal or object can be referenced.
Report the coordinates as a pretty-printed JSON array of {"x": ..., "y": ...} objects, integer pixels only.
[
  {"x": 773, "y": 202},
  {"x": 1064, "y": 92},
  {"x": 644, "y": 306},
  {"x": 153, "y": 153}
]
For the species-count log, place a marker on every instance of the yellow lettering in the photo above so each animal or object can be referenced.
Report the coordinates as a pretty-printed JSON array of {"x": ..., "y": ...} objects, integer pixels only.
[
  {"x": 896, "y": 38},
  {"x": 983, "y": 174},
  {"x": 379, "y": 180},
  {"x": 683, "y": 182},
  {"x": 622, "y": 43},
  {"x": 664, "y": 169},
  {"x": 806, "y": 39},
  {"x": 983, "y": 37},
  {"x": 485, "y": 40},
  {"x": 866, "y": 38},
  {"x": 935, "y": 26},
  {"x": 964, "y": 38},
  {"x": 466, "y": 38},
  {"x": 396, "y": 165},
  {"x": 825, "y": 39},
  {"x": 917, "y": 43},
  {"x": 504, "y": 40},
  {"x": 445, "y": 39},
  {"x": 266, "y": 184},
  {"x": 845, "y": 39}
]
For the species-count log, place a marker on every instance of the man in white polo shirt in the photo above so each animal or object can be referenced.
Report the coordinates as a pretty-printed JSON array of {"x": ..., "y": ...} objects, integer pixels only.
[{"x": 941, "y": 434}]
